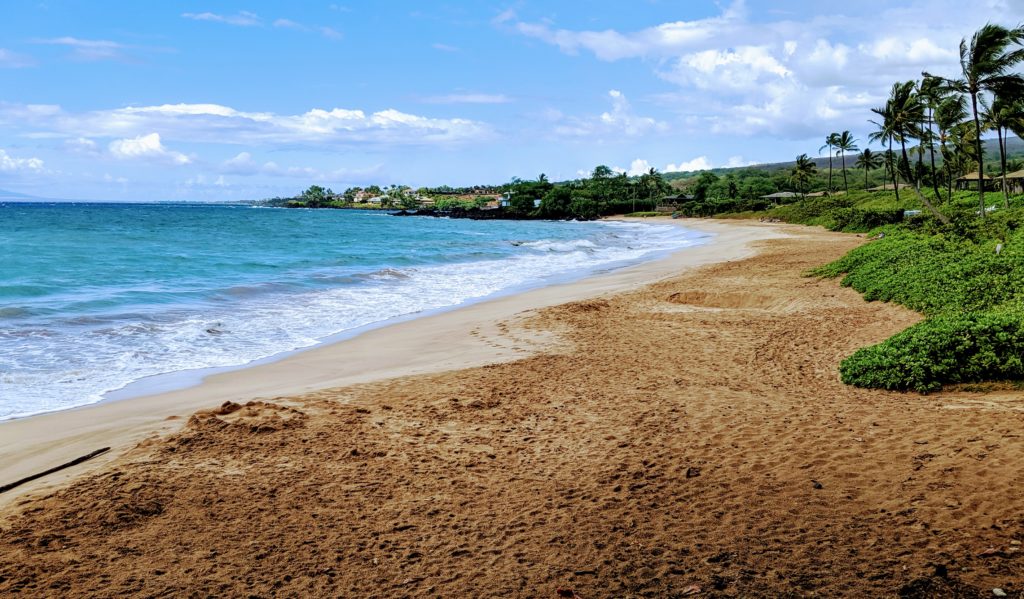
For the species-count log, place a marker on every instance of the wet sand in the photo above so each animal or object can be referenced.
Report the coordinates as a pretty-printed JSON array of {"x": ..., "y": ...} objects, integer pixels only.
[{"x": 638, "y": 434}]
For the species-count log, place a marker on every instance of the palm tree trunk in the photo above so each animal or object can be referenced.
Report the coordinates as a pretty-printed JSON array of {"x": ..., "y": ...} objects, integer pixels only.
[
  {"x": 931, "y": 151},
  {"x": 892, "y": 171},
  {"x": 1002, "y": 163},
  {"x": 846, "y": 185},
  {"x": 917, "y": 189},
  {"x": 947, "y": 167},
  {"x": 977, "y": 147},
  {"x": 830, "y": 168},
  {"x": 865, "y": 177}
]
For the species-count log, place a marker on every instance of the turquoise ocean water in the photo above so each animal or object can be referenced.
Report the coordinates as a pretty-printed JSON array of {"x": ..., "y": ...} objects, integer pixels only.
[{"x": 96, "y": 296}]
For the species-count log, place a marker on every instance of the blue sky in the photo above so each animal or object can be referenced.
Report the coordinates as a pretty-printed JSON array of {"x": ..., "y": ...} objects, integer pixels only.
[{"x": 210, "y": 100}]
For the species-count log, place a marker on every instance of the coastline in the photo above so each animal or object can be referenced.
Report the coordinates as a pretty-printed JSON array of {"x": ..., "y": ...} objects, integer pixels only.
[
  {"x": 473, "y": 335},
  {"x": 670, "y": 435}
]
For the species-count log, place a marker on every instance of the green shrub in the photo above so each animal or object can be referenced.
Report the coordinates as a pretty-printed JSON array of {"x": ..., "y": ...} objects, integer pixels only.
[
  {"x": 857, "y": 220},
  {"x": 972, "y": 347},
  {"x": 974, "y": 296}
]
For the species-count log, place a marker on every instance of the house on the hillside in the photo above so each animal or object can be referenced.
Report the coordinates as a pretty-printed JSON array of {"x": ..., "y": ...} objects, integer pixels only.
[
  {"x": 782, "y": 195},
  {"x": 970, "y": 181},
  {"x": 1015, "y": 182}
]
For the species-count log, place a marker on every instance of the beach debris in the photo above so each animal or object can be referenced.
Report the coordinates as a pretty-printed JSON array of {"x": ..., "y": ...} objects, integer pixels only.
[
  {"x": 691, "y": 590},
  {"x": 567, "y": 593},
  {"x": 585, "y": 573},
  {"x": 74, "y": 462},
  {"x": 998, "y": 592},
  {"x": 692, "y": 472},
  {"x": 816, "y": 484}
]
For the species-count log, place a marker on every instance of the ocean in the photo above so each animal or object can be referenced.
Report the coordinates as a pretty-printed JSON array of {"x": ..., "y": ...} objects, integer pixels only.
[{"x": 94, "y": 297}]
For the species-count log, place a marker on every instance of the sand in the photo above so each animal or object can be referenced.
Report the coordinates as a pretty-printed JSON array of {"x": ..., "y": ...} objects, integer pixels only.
[{"x": 615, "y": 437}]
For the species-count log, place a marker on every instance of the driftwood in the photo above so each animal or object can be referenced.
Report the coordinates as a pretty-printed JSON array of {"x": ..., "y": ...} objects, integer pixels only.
[{"x": 74, "y": 462}]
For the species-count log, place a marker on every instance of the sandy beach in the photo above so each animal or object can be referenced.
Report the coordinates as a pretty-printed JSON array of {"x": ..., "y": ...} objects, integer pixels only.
[{"x": 672, "y": 429}]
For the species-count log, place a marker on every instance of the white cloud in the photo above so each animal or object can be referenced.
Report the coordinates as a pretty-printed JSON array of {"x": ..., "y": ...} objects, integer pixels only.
[
  {"x": 700, "y": 163},
  {"x": 504, "y": 16},
  {"x": 10, "y": 164},
  {"x": 243, "y": 164},
  {"x": 81, "y": 145},
  {"x": 146, "y": 147},
  {"x": 324, "y": 31},
  {"x": 738, "y": 161},
  {"x": 900, "y": 50},
  {"x": 741, "y": 69},
  {"x": 621, "y": 120},
  {"x": 215, "y": 123},
  {"x": 470, "y": 98},
  {"x": 330, "y": 33},
  {"x": 241, "y": 19},
  {"x": 664, "y": 39},
  {"x": 88, "y": 50},
  {"x": 783, "y": 73},
  {"x": 13, "y": 60},
  {"x": 444, "y": 47},
  {"x": 638, "y": 167}
]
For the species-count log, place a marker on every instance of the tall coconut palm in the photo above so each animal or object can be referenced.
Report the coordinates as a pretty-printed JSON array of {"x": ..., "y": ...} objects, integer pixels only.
[
  {"x": 868, "y": 161},
  {"x": 830, "y": 142},
  {"x": 986, "y": 65},
  {"x": 906, "y": 111},
  {"x": 932, "y": 92},
  {"x": 802, "y": 173},
  {"x": 844, "y": 143},
  {"x": 885, "y": 133},
  {"x": 900, "y": 117},
  {"x": 999, "y": 116},
  {"x": 950, "y": 113}
]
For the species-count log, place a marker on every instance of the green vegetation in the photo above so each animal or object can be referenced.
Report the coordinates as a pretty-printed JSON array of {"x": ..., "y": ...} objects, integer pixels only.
[
  {"x": 938, "y": 246},
  {"x": 973, "y": 294},
  {"x": 946, "y": 253}
]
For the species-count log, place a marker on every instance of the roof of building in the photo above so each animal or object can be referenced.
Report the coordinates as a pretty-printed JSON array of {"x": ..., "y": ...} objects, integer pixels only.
[{"x": 974, "y": 177}]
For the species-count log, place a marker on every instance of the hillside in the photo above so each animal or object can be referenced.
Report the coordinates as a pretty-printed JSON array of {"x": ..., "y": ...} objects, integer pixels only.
[{"x": 1014, "y": 151}]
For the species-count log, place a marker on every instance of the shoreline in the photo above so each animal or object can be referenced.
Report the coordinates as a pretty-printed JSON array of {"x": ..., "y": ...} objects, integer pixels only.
[
  {"x": 472, "y": 333},
  {"x": 663, "y": 434}
]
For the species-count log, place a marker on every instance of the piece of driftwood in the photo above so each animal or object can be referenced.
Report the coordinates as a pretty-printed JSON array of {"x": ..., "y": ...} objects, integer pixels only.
[{"x": 73, "y": 462}]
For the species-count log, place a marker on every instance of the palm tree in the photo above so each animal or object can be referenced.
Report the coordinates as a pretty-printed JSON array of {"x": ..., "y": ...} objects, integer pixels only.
[
  {"x": 830, "y": 142},
  {"x": 999, "y": 116},
  {"x": 932, "y": 92},
  {"x": 802, "y": 172},
  {"x": 868, "y": 160},
  {"x": 885, "y": 133},
  {"x": 906, "y": 111},
  {"x": 986, "y": 65},
  {"x": 845, "y": 143},
  {"x": 950, "y": 113},
  {"x": 900, "y": 117}
]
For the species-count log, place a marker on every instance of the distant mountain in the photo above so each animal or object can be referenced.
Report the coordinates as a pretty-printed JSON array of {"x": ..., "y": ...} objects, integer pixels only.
[
  {"x": 1014, "y": 151},
  {"x": 11, "y": 196}
]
